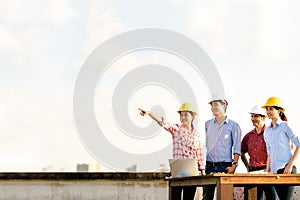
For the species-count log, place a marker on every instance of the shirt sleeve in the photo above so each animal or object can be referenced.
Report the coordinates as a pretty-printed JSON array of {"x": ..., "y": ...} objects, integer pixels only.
[
  {"x": 244, "y": 145},
  {"x": 292, "y": 136},
  {"x": 236, "y": 136},
  {"x": 172, "y": 128},
  {"x": 206, "y": 138},
  {"x": 200, "y": 157}
]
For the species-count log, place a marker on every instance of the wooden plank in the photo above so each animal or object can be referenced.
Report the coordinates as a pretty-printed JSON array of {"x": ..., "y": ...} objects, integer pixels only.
[
  {"x": 252, "y": 193},
  {"x": 259, "y": 179},
  {"x": 191, "y": 181},
  {"x": 236, "y": 179},
  {"x": 224, "y": 191}
]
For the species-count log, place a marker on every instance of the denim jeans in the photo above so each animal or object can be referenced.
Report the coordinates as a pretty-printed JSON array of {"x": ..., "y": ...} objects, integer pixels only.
[
  {"x": 285, "y": 192},
  {"x": 209, "y": 191}
]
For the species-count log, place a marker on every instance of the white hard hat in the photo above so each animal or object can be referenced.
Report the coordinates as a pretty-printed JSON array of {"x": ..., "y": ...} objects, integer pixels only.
[
  {"x": 257, "y": 110},
  {"x": 216, "y": 97}
]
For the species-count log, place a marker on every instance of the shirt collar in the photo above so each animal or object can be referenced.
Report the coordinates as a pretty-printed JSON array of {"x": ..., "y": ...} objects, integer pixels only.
[
  {"x": 225, "y": 121},
  {"x": 278, "y": 122},
  {"x": 262, "y": 130}
]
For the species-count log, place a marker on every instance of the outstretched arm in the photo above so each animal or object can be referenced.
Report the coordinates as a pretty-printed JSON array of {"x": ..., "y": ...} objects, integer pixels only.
[
  {"x": 166, "y": 125},
  {"x": 152, "y": 115}
]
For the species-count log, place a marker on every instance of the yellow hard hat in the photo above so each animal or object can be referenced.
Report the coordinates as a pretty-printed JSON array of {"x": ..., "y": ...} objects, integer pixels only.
[
  {"x": 187, "y": 107},
  {"x": 274, "y": 101}
]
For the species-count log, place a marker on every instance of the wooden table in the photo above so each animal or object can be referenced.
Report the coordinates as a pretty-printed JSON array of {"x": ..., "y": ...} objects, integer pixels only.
[{"x": 226, "y": 182}]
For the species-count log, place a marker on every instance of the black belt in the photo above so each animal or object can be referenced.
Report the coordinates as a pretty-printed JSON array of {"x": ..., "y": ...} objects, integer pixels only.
[
  {"x": 226, "y": 164},
  {"x": 256, "y": 168}
]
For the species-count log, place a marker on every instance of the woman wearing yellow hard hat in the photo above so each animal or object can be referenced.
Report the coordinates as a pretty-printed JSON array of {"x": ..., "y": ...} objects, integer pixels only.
[
  {"x": 277, "y": 136},
  {"x": 186, "y": 142}
]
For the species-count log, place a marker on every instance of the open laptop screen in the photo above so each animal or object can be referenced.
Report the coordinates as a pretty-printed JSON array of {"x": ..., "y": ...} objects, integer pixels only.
[{"x": 181, "y": 167}]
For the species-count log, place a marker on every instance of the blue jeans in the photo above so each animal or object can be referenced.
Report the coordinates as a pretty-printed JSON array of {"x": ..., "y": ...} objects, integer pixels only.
[
  {"x": 209, "y": 191},
  {"x": 285, "y": 192}
]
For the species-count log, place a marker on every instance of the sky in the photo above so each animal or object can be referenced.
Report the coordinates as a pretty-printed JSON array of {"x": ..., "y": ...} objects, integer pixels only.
[{"x": 43, "y": 45}]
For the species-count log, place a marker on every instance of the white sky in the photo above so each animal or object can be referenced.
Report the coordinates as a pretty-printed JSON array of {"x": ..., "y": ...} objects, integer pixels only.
[{"x": 254, "y": 45}]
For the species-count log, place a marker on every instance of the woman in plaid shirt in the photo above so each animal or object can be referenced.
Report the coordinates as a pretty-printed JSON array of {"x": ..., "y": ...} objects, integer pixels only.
[{"x": 186, "y": 141}]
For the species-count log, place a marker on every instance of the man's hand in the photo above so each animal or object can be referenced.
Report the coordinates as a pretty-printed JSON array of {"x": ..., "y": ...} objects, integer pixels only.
[{"x": 231, "y": 170}]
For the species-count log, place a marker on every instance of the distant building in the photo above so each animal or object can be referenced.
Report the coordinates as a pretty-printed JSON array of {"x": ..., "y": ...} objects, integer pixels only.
[
  {"x": 82, "y": 167},
  {"x": 132, "y": 168}
]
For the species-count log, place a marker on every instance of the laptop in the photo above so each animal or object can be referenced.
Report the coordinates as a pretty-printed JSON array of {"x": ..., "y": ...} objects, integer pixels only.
[{"x": 181, "y": 167}]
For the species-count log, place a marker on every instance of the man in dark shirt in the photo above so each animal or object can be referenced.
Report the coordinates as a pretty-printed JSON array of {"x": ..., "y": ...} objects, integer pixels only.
[{"x": 253, "y": 143}]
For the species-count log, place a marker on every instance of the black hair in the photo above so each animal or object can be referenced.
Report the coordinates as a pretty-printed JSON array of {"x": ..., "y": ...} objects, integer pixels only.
[{"x": 281, "y": 113}]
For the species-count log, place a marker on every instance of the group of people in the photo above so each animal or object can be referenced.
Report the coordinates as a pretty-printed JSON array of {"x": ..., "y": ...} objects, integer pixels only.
[{"x": 269, "y": 147}]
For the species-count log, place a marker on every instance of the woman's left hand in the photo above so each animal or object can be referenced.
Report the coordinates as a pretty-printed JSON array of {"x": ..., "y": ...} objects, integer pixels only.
[{"x": 288, "y": 169}]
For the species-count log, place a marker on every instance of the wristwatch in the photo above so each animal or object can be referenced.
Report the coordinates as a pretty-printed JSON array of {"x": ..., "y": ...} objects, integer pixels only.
[{"x": 235, "y": 163}]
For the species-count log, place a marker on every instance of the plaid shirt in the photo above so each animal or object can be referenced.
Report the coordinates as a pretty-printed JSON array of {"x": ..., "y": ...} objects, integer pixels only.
[{"x": 185, "y": 144}]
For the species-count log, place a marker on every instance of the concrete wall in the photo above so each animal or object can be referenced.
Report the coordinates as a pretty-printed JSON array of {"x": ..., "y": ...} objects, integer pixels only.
[
  {"x": 83, "y": 190},
  {"x": 106, "y": 186}
]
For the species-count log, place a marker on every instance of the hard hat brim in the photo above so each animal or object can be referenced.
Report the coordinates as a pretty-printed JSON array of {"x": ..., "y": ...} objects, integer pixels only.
[
  {"x": 258, "y": 113},
  {"x": 265, "y": 106},
  {"x": 179, "y": 111},
  {"x": 219, "y": 100}
]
